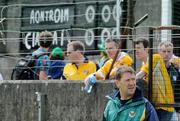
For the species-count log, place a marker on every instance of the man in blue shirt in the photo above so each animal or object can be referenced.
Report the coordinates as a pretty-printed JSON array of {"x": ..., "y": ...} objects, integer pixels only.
[{"x": 42, "y": 61}]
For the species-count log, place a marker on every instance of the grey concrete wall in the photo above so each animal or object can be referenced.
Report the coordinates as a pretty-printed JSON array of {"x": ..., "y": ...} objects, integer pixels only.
[{"x": 64, "y": 102}]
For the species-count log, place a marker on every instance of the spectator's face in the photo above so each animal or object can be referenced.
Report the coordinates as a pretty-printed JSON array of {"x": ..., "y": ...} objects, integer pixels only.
[
  {"x": 111, "y": 49},
  {"x": 141, "y": 52},
  {"x": 72, "y": 54},
  {"x": 166, "y": 52},
  {"x": 127, "y": 85}
]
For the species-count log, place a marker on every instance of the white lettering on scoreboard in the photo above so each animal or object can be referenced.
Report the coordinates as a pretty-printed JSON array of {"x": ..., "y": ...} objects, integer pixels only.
[
  {"x": 62, "y": 15},
  {"x": 57, "y": 16},
  {"x": 32, "y": 38}
]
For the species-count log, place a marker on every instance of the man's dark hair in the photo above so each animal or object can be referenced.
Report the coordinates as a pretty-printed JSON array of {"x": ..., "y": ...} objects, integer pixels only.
[
  {"x": 144, "y": 41},
  {"x": 45, "y": 39}
]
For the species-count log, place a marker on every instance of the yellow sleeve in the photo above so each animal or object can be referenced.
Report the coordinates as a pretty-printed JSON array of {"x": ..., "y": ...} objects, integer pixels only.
[
  {"x": 145, "y": 67},
  {"x": 103, "y": 72},
  {"x": 126, "y": 60}
]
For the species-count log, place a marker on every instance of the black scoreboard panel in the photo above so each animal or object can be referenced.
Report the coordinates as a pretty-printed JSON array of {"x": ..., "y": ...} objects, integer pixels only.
[{"x": 90, "y": 22}]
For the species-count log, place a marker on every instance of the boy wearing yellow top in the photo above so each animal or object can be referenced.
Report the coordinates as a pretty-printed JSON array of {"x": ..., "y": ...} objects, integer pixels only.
[
  {"x": 111, "y": 46},
  {"x": 162, "y": 92},
  {"x": 80, "y": 67}
]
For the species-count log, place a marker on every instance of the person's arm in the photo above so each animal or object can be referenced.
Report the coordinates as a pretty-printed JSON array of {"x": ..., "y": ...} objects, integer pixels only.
[
  {"x": 175, "y": 61},
  {"x": 140, "y": 75},
  {"x": 43, "y": 75},
  {"x": 45, "y": 63}
]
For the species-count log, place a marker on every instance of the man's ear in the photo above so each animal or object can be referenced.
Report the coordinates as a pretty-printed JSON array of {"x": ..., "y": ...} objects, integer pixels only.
[
  {"x": 147, "y": 49},
  {"x": 116, "y": 83}
]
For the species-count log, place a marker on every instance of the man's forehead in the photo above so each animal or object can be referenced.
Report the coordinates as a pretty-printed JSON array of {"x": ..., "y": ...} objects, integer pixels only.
[
  {"x": 166, "y": 48},
  {"x": 69, "y": 47},
  {"x": 124, "y": 75}
]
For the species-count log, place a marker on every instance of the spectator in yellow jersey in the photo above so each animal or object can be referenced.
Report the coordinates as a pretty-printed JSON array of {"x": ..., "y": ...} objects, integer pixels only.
[
  {"x": 111, "y": 46},
  {"x": 80, "y": 67},
  {"x": 162, "y": 93},
  {"x": 165, "y": 49}
]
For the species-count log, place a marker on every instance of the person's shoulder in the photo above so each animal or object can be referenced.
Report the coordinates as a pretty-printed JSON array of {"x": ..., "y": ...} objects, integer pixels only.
[
  {"x": 57, "y": 62},
  {"x": 91, "y": 63},
  {"x": 147, "y": 102},
  {"x": 40, "y": 52},
  {"x": 68, "y": 65},
  {"x": 35, "y": 53},
  {"x": 149, "y": 108},
  {"x": 124, "y": 56},
  {"x": 109, "y": 61},
  {"x": 157, "y": 57},
  {"x": 115, "y": 93}
]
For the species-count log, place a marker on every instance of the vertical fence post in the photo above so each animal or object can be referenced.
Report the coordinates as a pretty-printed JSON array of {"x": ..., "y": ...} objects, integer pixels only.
[
  {"x": 150, "y": 79},
  {"x": 41, "y": 97},
  {"x": 118, "y": 10}
]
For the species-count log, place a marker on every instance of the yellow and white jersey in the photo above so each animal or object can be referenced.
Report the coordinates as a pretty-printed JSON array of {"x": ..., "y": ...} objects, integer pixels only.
[{"x": 123, "y": 59}]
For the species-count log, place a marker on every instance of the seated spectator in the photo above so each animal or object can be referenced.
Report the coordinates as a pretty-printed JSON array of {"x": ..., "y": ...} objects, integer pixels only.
[
  {"x": 123, "y": 58},
  {"x": 80, "y": 67},
  {"x": 56, "y": 64}
]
